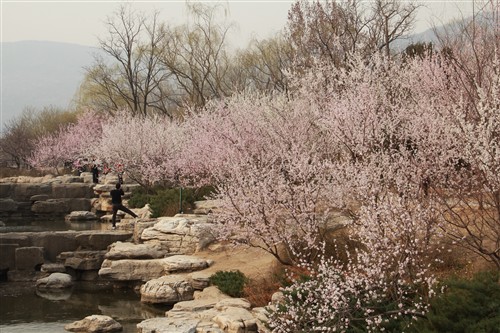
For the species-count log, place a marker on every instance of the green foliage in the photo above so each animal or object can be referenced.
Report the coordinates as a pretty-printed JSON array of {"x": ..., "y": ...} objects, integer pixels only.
[
  {"x": 467, "y": 306},
  {"x": 230, "y": 282},
  {"x": 165, "y": 201}
]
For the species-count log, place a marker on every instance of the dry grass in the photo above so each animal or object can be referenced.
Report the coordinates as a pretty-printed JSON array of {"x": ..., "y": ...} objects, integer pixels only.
[{"x": 260, "y": 290}]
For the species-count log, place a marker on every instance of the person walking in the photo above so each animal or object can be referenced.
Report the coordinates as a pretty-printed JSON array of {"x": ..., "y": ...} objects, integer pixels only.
[{"x": 116, "y": 201}]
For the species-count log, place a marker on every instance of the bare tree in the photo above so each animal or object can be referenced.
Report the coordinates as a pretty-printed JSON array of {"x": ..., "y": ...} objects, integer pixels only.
[
  {"x": 390, "y": 20},
  {"x": 130, "y": 76},
  {"x": 265, "y": 63},
  {"x": 332, "y": 31},
  {"x": 472, "y": 43},
  {"x": 197, "y": 58},
  {"x": 19, "y": 134},
  {"x": 471, "y": 48}
]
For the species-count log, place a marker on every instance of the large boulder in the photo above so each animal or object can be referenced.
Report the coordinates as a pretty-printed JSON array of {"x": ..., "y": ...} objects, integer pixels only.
[
  {"x": 147, "y": 269},
  {"x": 144, "y": 213},
  {"x": 29, "y": 258},
  {"x": 8, "y": 205},
  {"x": 24, "y": 191},
  {"x": 203, "y": 300},
  {"x": 95, "y": 324},
  {"x": 55, "y": 242},
  {"x": 168, "y": 289},
  {"x": 183, "y": 263},
  {"x": 55, "y": 281},
  {"x": 92, "y": 240},
  {"x": 82, "y": 260},
  {"x": 6, "y": 189},
  {"x": 212, "y": 312},
  {"x": 126, "y": 250},
  {"x": 206, "y": 206},
  {"x": 8, "y": 256},
  {"x": 81, "y": 215},
  {"x": 132, "y": 269},
  {"x": 182, "y": 233},
  {"x": 80, "y": 204},
  {"x": 51, "y": 206},
  {"x": 236, "y": 320},
  {"x": 73, "y": 190}
]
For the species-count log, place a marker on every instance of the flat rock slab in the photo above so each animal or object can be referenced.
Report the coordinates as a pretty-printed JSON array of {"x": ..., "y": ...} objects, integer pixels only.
[
  {"x": 147, "y": 269},
  {"x": 168, "y": 325},
  {"x": 126, "y": 250}
]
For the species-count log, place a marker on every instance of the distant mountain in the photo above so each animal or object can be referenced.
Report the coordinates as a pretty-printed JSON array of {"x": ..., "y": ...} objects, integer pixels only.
[
  {"x": 41, "y": 73},
  {"x": 38, "y": 73}
]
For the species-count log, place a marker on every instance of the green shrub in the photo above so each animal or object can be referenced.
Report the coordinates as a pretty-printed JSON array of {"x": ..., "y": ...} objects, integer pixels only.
[
  {"x": 165, "y": 201},
  {"x": 230, "y": 282},
  {"x": 467, "y": 306}
]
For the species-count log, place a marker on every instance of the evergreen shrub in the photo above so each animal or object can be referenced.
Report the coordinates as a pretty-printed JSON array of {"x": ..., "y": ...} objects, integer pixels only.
[
  {"x": 466, "y": 306},
  {"x": 165, "y": 201},
  {"x": 230, "y": 283}
]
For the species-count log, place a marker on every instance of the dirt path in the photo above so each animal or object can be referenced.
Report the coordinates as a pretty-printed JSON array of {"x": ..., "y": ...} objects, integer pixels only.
[{"x": 253, "y": 262}]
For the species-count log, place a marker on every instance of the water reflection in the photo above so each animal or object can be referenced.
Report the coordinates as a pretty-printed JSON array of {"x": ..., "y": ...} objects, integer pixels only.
[
  {"x": 37, "y": 225},
  {"x": 22, "y": 306}
]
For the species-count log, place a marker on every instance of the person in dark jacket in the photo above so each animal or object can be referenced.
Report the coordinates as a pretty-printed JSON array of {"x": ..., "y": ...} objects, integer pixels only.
[
  {"x": 95, "y": 173},
  {"x": 116, "y": 201}
]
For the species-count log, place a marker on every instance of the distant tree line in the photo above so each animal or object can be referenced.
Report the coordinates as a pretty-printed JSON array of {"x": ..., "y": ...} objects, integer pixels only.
[{"x": 152, "y": 68}]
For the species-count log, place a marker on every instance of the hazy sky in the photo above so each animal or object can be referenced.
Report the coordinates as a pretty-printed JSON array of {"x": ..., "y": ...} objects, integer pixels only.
[{"x": 81, "y": 21}]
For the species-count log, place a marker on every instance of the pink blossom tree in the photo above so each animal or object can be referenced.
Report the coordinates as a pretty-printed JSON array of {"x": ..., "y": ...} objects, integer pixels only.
[
  {"x": 146, "y": 148},
  {"x": 72, "y": 144},
  {"x": 265, "y": 156}
]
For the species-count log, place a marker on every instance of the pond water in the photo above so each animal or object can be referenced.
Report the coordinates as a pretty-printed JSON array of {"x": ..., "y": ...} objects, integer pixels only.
[
  {"x": 26, "y": 225},
  {"x": 24, "y": 309}
]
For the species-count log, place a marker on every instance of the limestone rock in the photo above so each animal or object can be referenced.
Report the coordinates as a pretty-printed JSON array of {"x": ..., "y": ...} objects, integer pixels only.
[
  {"x": 55, "y": 281},
  {"x": 168, "y": 325},
  {"x": 233, "y": 303},
  {"x": 29, "y": 258},
  {"x": 200, "y": 280},
  {"x": 39, "y": 197},
  {"x": 81, "y": 215},
  {"x": 132, "y": 269},
  {"x": 53, "y": 268},
  {"x": 147, "y": 269},
  {"x": 54, "y": 206},
  {"x": 184, "y": 263},
  {"x": 73, "y": 190},
  {"x": 143, "y": 213},
  {"x": 82, "y": 260},
  {"x": 8, "y": 205},
  {"x": 210, "y": 293},
  {"x": 203, "y": 300},
  {"x": 206, "y": 206},
  {"x": 121, "y": 250},
  {"x": 92, "y": 240},
  {"x": 8, "y": 256},
  {"x": 181, "y": 233},
  {"x": 70, "y": 179},
  {"x": 168, "y": 289},
  {"x": 236, "y": 320},
  {"x": 95, "y": 323}
]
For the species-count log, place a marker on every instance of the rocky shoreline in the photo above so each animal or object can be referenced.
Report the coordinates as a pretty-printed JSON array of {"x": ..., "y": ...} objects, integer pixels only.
[{"x": 156, "y": 257}]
